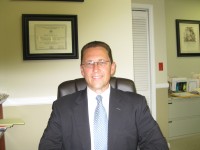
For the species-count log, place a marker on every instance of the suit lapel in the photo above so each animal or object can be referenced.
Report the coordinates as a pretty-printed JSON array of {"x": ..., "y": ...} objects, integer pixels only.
[
  {"x": 115, "y": 113},
  {"x": 82, "y": 120}
]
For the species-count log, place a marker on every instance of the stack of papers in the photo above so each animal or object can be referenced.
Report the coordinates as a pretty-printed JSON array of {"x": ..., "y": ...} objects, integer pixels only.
[{"x": 183, "y": 94}]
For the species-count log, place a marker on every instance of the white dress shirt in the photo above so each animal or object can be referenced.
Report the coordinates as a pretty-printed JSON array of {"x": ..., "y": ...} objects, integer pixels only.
[{"x": 92, "y": 103}]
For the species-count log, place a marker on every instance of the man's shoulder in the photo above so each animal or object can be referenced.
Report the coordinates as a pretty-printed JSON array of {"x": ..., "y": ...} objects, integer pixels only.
[
  {"x": 126, "y": 93},
  {"x": 128, "y": 99}
]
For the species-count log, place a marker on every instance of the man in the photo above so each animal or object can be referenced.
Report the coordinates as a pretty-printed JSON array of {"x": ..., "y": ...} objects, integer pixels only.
[{"x": 127, "y": 122}]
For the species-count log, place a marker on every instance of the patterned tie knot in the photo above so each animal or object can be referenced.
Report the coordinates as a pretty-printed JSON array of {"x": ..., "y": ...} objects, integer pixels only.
[{"x": 99, "y": 99}]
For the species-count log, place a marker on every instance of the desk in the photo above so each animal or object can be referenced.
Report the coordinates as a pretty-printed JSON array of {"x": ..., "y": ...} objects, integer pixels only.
[{"x": 184, "y": 116}]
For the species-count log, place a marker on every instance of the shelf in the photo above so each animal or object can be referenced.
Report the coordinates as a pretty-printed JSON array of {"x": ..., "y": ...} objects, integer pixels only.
[{"x": 11, "y": 122}]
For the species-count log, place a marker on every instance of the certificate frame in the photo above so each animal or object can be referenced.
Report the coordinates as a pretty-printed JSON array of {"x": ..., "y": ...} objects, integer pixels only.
[
  {"x": 188, "y": 38},
  {"x": 49, "y": 36},
  {"x": 62, "y": 0},
  {"x": 69, "y": 0}
]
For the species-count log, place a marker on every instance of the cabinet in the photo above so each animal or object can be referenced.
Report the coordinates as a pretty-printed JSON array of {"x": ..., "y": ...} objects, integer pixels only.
[{"x": 184, "y": 116}]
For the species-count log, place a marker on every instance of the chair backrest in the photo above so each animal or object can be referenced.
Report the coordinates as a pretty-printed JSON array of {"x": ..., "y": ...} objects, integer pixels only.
[{"x": 71, "y": 86}]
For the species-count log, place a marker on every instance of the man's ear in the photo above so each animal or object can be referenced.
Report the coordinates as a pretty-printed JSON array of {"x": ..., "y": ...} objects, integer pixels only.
[
  {"x": 113, "y": 68},
  {"x": 82, "y": 71}
]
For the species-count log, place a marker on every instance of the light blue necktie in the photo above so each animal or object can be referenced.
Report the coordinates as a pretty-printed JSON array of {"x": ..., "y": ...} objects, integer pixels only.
[{"x": 100, "y": 126}]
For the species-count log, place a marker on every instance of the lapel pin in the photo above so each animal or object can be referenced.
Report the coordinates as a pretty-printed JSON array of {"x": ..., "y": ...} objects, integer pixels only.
[{"x": 118, "y": 108}]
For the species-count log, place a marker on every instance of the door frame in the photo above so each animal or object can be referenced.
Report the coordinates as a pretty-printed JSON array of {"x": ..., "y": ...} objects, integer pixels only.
[{"x": 149, "y": 8}]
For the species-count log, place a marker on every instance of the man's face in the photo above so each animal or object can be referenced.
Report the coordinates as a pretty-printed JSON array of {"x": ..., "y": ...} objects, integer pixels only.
[{"x": 97, "y": 75}]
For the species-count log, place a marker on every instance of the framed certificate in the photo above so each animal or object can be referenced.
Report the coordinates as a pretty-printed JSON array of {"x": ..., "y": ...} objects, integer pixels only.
[{"x": 49, "y": 36}]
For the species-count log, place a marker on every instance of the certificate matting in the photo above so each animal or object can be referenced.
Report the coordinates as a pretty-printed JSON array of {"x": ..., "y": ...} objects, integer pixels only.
[
  {"x": 187, "y": 34},
  {"x": 49, "y": 37}
]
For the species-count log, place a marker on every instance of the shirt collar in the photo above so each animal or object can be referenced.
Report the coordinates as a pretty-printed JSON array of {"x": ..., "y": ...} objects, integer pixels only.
[{"x": 105, "y": 94}]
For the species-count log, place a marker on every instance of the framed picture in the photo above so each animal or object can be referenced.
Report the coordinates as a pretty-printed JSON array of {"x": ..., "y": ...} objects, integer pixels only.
[
  {"x": 187, "y": 35},
  {"x": 49, "y": 36}
]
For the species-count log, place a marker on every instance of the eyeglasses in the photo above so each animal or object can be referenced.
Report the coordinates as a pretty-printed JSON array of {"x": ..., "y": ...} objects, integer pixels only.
[{"x": 100, "y": 63}]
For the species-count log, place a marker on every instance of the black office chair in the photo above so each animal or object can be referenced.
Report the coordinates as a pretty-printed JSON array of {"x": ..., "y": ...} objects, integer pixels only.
[{"x": 71, "y": 86}]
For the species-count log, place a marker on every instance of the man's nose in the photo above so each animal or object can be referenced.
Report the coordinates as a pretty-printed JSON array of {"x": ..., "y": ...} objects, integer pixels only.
[{"x": 95, "y": 66}]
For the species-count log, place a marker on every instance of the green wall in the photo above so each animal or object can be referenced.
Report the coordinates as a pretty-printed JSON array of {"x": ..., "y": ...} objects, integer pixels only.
[
  {"x": 29, "y": 82},
  {"x": 185, "y": 10}
]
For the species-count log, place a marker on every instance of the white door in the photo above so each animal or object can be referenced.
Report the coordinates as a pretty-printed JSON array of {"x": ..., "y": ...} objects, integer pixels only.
[{"x": 143, "y": 54}]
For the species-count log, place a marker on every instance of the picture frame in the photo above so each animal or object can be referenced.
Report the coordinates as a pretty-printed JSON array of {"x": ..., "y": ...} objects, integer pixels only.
[
  {"x": 58, "y": 0},
  {"x": 188, "y": 38},
  {"x": 48, "y": 36},
  {"x": 67, "y": 0}
]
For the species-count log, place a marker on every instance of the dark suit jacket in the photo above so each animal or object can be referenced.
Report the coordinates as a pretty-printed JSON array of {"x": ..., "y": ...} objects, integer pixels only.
[{"x": 130, "y": 124}]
